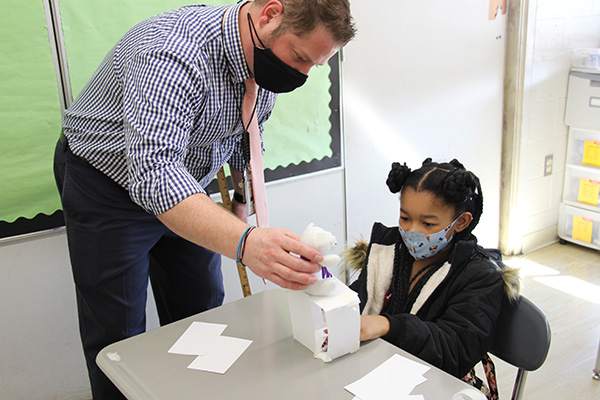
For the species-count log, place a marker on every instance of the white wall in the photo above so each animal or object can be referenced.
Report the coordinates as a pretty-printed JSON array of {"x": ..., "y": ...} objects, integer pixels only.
[
  {"x": 555, "y": 27},
  {"x": 40, "y": 352},
  {"x": 421, "y": 79}
]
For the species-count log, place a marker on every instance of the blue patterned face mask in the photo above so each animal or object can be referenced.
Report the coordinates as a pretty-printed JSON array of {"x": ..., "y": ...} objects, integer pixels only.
[{"x": 422, "y": 246}]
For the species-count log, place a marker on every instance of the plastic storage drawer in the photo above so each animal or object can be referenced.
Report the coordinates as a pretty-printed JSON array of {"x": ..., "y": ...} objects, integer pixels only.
[
  {"x": 583, "y": 146},
  {"x": 582, "y": 186},
  {"x": 583, "y": 105},
  {"x": 579, "y": 226}
]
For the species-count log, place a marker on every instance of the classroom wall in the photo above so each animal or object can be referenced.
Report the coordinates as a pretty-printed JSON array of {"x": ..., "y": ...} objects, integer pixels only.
[
  {"x": 40, "y": 354},
  {"x": 554, "y": 28}
]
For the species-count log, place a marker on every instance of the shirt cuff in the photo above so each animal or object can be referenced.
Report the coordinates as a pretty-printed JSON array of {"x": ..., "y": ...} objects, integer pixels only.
[{"x": 163, "y": 189}]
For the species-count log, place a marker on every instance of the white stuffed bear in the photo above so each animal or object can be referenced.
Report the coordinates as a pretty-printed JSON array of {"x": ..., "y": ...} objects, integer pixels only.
[{"x": 323, "y": 241}]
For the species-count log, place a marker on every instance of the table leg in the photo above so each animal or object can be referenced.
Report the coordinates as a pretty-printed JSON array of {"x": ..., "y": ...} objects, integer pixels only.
[{"x": 596, "y": 369}]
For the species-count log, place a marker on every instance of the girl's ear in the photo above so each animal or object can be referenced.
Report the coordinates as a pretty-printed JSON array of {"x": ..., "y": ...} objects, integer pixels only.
[{"x": 463, "y": 221}]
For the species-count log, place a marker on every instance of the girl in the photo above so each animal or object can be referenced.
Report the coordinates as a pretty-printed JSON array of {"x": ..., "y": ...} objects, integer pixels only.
[{"x": 426, "y": 286}]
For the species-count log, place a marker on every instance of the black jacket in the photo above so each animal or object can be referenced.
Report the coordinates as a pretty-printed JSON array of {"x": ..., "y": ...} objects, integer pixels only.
[{"x": 454, "y": 318}]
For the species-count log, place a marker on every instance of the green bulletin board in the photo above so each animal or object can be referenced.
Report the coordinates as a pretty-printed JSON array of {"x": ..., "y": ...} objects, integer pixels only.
[
  {"x": 301, "y": 136},
  {"x": 29, "y": 115}
]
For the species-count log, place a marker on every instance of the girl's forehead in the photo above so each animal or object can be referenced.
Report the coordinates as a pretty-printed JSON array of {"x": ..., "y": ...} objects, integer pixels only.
[{"x": 423, "y": 202}]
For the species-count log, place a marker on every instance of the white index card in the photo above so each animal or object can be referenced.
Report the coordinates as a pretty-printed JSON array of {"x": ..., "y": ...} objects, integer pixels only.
[
  {"x": 222, "y": 355},
  {"x": 393, "y": 379},
  {"x": 198, "y": 338}
]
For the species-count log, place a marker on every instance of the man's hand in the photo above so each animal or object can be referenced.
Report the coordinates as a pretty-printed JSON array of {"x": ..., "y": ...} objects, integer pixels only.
[
  {"x": 373, "y": 327},
  {"x": 267, "y": 254}
]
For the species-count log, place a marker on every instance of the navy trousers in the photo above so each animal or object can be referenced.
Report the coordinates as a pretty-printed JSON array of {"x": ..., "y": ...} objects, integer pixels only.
[{"x": 115, "y": 246}]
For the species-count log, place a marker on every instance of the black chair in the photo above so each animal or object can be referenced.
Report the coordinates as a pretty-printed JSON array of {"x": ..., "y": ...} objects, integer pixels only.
[{"x": 522, "y": 339}]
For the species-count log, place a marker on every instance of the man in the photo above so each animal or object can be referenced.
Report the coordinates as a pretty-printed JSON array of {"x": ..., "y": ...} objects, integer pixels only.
[{"x": 147, "y": 134}]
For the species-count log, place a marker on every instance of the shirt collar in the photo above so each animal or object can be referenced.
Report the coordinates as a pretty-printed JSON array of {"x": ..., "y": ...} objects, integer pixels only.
[{"x": 232, "y": 44}]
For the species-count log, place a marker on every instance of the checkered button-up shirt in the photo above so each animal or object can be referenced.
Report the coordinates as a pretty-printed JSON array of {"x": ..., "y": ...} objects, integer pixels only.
[{"x": 162, "y": 113}]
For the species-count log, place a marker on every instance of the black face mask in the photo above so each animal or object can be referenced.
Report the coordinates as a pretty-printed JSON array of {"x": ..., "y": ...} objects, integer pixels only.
[{"x": 270, "y": 72}]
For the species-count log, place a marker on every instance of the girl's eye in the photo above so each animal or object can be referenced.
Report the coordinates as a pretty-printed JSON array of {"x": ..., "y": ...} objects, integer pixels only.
[
  {"x": 427, "y": 224},
  {"x": 403, "y": 218}
]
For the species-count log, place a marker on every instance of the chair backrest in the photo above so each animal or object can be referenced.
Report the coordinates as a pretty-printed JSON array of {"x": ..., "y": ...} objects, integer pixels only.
[{"x": 523, "y": 335}]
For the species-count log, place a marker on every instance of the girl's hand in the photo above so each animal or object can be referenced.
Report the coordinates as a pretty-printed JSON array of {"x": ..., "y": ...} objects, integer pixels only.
[{"x": 373, "y": 327}]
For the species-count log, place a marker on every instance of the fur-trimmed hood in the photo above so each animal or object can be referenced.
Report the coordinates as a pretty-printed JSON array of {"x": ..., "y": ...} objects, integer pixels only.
[{"x": 354, "y": 259}]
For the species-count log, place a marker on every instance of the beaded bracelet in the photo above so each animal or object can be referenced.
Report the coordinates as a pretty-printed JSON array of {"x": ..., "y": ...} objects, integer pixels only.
[{"x": 242, "y": 245}]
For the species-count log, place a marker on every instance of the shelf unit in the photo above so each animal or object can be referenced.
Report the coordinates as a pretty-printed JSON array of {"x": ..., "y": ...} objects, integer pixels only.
[{"x": 579, "y": 212}]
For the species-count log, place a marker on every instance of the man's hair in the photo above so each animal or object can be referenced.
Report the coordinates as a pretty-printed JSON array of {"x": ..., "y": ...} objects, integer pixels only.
[{"x": 303, "y": 16}]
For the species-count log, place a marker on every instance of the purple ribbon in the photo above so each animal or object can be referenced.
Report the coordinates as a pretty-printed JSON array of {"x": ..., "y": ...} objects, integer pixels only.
[{"x": 324, "y": 271}]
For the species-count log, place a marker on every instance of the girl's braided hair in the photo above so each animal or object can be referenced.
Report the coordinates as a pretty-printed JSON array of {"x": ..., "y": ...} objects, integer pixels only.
[{"x": 450, "y": 182}]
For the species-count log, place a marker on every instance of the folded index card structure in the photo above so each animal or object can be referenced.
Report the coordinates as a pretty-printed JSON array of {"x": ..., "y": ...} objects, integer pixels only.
[{"x": 327, "y": 325}]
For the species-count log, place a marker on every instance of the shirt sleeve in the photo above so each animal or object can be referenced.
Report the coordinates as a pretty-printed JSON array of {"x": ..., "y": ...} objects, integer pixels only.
[
  {"x": 161, "y": 96},
  {"x": 460, "y": 336}
]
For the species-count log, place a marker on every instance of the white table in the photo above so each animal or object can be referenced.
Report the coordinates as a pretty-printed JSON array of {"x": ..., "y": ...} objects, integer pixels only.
[{"x": 275, "y": 366}]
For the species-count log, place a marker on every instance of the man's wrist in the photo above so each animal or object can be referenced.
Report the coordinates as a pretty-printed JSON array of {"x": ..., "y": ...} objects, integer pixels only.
[{"x": 242, "y": 245}]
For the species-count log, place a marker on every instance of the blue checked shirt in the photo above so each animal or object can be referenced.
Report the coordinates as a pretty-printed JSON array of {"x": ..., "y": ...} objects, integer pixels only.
[{"x": 162, "y": 113}]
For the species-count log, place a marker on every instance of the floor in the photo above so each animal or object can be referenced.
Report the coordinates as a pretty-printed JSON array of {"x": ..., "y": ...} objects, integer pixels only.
[{"x": 564, "y": 281}]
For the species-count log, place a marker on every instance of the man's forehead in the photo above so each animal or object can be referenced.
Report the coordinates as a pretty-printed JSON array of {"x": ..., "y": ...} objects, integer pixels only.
[{"x": 316, "y": 46}]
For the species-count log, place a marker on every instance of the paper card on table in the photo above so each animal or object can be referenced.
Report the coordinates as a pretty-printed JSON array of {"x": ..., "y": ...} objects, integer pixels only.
[
  {"x": 197, "y": 339},
  {"x": 225, "y": 351},
  {"x": 382, "y": 383},
  {"x": 582, "y": 229},
  {"x": 591, "y": 153},
  {"x": 589, "y": 191}
]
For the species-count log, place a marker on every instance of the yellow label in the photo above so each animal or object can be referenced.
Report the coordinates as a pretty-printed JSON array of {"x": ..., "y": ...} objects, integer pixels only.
[
  {"x": 588, "y": 191},
  {"x": 591, "y": 153},
  {"x": 582, "y": 229}
]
